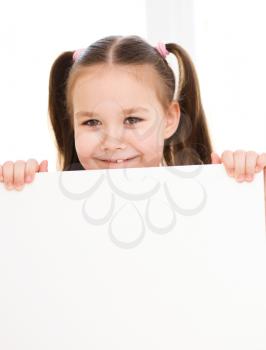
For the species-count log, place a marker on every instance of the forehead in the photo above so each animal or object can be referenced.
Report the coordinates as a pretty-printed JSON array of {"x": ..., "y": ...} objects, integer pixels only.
[{"x": 125, "y": 85}]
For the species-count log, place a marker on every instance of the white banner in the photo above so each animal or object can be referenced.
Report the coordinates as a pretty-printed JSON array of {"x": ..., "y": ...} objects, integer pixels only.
[{"x": 138, "y": 258}]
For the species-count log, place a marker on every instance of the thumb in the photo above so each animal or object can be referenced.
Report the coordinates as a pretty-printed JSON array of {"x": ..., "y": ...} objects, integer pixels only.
[
  {"x": 215, "y": 158},
  {"x": 43, "y": 166}
]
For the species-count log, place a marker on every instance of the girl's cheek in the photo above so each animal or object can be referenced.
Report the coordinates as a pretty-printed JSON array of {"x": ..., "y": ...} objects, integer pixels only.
[
  {"x": 151, "y": 147},
  {"x": 84, "y": 145}
]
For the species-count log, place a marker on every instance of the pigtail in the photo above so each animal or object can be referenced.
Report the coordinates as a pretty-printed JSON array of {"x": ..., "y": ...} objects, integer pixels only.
[
  {"x": 58, "y": 113},
  {"x": 191, "y": 143}
]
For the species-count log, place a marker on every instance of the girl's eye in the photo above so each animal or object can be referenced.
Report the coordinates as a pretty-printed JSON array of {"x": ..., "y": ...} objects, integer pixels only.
[
  {"x": 134, "y": 118},
  {"x": 88, "y": 121},
  {"x": 90, "y": 124}
]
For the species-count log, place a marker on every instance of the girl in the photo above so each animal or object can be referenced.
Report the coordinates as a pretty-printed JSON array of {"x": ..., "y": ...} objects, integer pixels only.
[{"x": 116, "y": 104}]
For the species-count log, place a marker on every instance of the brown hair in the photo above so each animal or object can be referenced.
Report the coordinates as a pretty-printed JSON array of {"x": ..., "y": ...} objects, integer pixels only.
[{"x": 190, "y": 143}]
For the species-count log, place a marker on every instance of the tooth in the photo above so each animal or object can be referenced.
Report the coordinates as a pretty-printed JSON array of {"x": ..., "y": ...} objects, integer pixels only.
[{"x": 116, "y": 161}]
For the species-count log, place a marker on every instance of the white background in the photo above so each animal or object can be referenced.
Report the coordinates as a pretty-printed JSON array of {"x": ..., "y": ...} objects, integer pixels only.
[{"x": 224, "y": 39}]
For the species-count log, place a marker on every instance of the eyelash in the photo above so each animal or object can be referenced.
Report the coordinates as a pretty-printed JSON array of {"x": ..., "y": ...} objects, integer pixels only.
[{"x": 92, "y": 126}]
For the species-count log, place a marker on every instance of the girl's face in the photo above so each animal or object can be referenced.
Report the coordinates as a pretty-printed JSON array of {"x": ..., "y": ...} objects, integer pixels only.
[{"x": 118, "y": 119}]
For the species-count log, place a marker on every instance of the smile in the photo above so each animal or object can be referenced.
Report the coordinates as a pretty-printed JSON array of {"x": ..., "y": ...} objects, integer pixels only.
[{"x": 118, "y": 161}]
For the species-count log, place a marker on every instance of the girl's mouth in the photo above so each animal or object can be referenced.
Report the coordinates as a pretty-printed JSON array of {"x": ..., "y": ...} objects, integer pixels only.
[{"x": 117, "y": 162}]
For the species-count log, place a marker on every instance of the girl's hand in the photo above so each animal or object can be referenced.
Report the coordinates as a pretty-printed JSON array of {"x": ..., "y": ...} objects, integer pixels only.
[
  {"x": 21, "y": 172},
  {"x": 240, "y": 164}
]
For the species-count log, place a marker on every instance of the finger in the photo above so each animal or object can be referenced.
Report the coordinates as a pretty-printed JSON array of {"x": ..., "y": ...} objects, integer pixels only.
[
  {"x": 215, "y": 158},
  {"x": 43, "y": 166},
  {"x": 32, "y": 167},
  {"x": 251, "y": 160},
  {"x": 8, "y": 174},
  {"x": 261, "y": 162},
  {"x": 1, "y": 174},
  {"x": 265, "y": 185},
  {"x": 240, "y": 164},
  {"x": 19, "y": 170},
  {"x": 228, "y": 160}
]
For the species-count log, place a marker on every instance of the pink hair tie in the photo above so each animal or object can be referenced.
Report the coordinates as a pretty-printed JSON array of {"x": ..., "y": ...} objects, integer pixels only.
[
  {"x": 162, "y": 49},
  {"x": 77, "y": 54}
]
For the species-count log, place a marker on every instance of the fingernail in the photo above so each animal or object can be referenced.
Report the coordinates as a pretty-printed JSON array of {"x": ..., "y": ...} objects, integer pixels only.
[
  {"x": 28, "y": 179},
  {"x": 249, "y": 177},
  {"x": 240, "y": 178},
  {"x": 257, "y": 168}
]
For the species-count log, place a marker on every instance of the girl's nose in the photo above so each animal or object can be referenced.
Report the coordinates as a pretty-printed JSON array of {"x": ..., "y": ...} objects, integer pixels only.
[{"x": 112, "y": 139}]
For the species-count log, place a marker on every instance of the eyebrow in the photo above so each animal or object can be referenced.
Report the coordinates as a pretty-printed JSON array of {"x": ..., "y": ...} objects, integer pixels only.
[{"x": 125, "y": 111}]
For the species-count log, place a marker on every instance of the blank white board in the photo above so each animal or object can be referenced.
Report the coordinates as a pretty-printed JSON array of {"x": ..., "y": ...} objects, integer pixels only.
[{"x": 139, "y": 258}]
